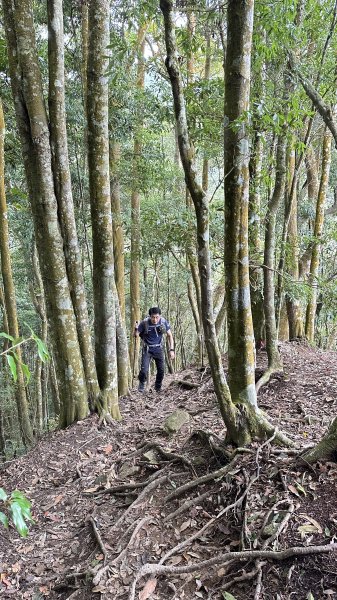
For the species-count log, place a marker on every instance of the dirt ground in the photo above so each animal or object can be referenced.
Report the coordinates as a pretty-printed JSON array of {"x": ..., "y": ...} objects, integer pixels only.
[{"x": 112, "y": 519}]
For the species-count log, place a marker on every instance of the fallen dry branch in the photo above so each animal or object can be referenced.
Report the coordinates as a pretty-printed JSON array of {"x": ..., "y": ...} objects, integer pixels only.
[
  {"x": 98, "y": 537},
  {"x": 158, "y": 569}
]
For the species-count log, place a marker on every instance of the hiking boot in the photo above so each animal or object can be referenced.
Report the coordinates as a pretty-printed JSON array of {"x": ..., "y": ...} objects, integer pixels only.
[
  {"x": 157, "y": 390},
  {"x": 141, "y": 387}
]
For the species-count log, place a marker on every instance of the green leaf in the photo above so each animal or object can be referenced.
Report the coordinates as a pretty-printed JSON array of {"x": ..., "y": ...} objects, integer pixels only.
[
  {"x": 7, "y": 336},
  {"x": 23, "y": 502},
  {"x": 3, "y": 519},
  {"x": 26, "y": 372},
  {"x": 3, "y": 495},
  {"x": 18, "y": 519},
  {"x": 228, "y": 596},
  {"x": 12, "y": 366},
  {"x": 41, "y": 348}
]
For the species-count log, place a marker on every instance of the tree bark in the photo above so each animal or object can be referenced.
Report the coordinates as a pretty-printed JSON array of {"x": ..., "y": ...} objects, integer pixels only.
[
  {"x": 9, "y": 296},
  {"x": 241, "y": 422},
  {"x": 296, "y": 329},
  {"x": 34, "y": 133},
  {"x": 63, "y": 191},
  {"x": 99, "y": 184},
  {"x": 318, "y": 230},
  {"x": 135, "y": 213},
  {"x": 117, "y": 224}
]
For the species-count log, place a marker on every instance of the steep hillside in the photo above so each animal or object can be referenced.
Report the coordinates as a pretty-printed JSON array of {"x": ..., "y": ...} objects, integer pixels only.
[{"x": 113, "y": 520}]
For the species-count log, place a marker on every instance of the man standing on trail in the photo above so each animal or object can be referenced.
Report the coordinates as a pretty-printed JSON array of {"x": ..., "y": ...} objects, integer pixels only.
[{"x": 151, "y": 332}]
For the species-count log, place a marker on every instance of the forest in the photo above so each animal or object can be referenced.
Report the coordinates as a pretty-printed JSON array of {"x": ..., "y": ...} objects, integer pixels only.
[{"x": 181, "y": 155}]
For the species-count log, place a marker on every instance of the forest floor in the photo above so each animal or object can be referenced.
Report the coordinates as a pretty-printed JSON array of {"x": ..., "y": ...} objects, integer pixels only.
[{"x": 112, "y": 521}]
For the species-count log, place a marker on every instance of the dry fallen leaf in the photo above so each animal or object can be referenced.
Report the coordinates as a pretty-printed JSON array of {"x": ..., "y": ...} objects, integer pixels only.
[
  {"x": 107, "y": 449},
  {"x": 185, "y": 525},
  {"x": 148, "y": 589}
]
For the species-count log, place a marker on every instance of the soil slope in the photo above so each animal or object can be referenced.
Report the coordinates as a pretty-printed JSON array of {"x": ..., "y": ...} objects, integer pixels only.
[{"x": 112, "y": 519}]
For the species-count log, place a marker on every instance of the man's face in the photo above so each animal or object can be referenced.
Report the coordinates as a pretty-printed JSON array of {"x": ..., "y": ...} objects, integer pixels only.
[{"x": 154, "y": 319}]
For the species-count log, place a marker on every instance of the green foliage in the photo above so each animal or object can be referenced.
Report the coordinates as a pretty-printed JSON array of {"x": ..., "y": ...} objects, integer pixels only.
[
  {"x": 18, "y": 508},
  {"x": 13, "y": 358}
]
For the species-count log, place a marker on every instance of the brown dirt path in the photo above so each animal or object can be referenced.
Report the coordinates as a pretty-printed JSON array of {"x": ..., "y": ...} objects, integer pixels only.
[{"x": 92, "y": 535}]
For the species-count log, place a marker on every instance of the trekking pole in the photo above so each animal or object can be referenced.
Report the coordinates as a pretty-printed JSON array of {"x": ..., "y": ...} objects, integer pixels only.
[{"x": 134, "y": 353}]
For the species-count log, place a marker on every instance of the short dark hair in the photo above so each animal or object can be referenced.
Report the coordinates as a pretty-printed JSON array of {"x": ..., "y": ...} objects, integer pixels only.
[{"x": 155, "y": 310}]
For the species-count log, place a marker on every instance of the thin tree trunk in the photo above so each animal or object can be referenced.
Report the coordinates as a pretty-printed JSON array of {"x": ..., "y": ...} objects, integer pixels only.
[
  {"x": 296, "y": 329},
  {"x": 9, "y": 296},
  {"x": 135, "y": 213},
  {"x": 99, "y": 184},
  {"x": 318, "y": 230},
  {"x": 274, "y": 359},
  {"x": 37, "y": 296},
  {"x": 117, "y": 225},
  {"x": 63, "y": 191}
]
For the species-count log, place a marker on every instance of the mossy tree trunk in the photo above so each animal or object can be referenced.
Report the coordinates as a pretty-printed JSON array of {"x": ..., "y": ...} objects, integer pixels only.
[
  {"x": 318, "y": 230},
  {"x": 274, "y": 359},
  {"x": 63, "y": 191},
  {"x": 40, "y": 371},
  {"x": 135, "y": 314},
  {"x": 9, "y": 296},
  {"x": 99, "y": 184},
  {"x": 34, "y": 133},
  {"x": 241, "y": 343},
  {"x": 243, "y": 420},
  {"x": 117, "y": 224},
  {"x": 295, "y": 321},
  {"x": 326, "y": 447}
]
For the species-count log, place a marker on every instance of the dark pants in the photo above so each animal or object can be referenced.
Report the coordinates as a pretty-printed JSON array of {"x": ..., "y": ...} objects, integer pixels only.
[{"x": 157, "y": 355}]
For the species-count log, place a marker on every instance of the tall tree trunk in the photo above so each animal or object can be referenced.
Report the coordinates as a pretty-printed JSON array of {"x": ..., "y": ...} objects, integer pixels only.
[
  {"x": 37, "y": 295},
  {"x": 9, "y": 296},
  {"x": 135, "y": 212},
  {"x": 117, "y": 224},
  {"x": 99, "y": 184},
  {"x": 63, "y": 191},
  {"x": 34, "y": 133},
  {"x": 292, "y": 301},
  {"x": 241, "y": 373},
  {"x": 274, "y": 359},
  {"x": 318, "y": 230},
  {"x": 240, "y": 426}
]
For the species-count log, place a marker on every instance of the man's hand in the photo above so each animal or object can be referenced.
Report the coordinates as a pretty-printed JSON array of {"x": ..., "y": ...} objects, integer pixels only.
[{"x": 135, "y": 331}]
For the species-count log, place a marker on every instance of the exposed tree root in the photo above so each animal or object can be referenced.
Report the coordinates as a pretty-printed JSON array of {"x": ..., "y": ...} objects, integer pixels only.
[
  {"x": 211, "y": 476},
  {"x": 159, "y": 569},
  {"x": 171, "y": 456},
  {"x": 267, "y": 376},
  {"x": 149, "y": 488},
  {"x": 187, "y": 505},
  {"x": 124, "y": 487}
]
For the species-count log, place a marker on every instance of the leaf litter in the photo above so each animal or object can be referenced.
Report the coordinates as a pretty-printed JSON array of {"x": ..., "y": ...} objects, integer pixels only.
[{"x": 106, "y": 510}]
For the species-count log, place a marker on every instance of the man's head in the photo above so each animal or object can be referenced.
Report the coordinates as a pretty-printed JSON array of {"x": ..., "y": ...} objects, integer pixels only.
[{"x": 154, "y": 313}]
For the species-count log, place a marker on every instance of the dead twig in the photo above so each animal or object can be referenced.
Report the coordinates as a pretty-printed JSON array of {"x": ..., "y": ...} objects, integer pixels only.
[{"x": 98, "y": 538}]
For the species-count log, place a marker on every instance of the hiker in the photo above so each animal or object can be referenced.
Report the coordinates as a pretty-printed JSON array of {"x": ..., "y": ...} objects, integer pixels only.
[{"x": 151, "y": 332}]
